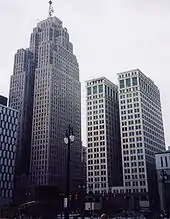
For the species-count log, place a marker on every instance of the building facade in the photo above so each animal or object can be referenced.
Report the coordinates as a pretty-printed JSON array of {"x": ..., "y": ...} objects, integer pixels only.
[
  {"x": 104, "y": 168},
  {"x": 8, "y": 137},
  {"x": 163, "y": 179},
  {"x": 142, "y": 133},
  {"x": 57, "y": 103},
  {"x": 21, "y": 99}
]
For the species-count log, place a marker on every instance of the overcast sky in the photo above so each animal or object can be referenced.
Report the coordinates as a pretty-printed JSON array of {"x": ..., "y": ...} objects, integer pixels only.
[{"x": 109, "y": 36}]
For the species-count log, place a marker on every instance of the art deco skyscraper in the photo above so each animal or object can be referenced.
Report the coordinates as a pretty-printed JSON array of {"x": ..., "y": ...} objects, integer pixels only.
[
  {"x": 104, "y": 165},
  {"x": 142, "y": 133},
  {"x": 57, "y": 102},
  {"x": 46, "y": 90}
]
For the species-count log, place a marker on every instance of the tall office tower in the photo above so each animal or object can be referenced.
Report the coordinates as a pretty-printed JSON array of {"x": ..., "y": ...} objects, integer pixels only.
[
  {"x": 57, "y": 102},
  {"x": 21, "y": 99},
  {"x": 142, "y": 133},
  {"x": 103, "y": 128},
  {"x": 8, "y": 136}
]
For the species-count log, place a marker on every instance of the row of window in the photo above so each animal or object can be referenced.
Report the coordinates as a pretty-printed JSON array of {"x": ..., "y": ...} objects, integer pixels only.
[
  {"x": 135, "y": 176},
  {"x": 136, "y": 183},
  {"x": 97, "y": 173},
  {"x": 95, "y": 102},
  {"x": 134, "y": 170},
  {"x": 132, "y": 151},
  {"x": 8, "y": 112},
  {"x": 95, "y": 89},
  {"x": 98, "y": 167},
  {"x": 95, "y": 97},
  {"x": 96, "y": 155},
  {"x": 128, "y": 82},
  {"x": 128, "y": 74},
  {"x": 97, "y": 185},
  {"x": 97, "y": 161},
  {"x": 6, "y": 194},
  {"x": 97, "y": 179},
  {"x": 128, "y": 90},
  {"x": 7, "y": 154},
  {"x": 95, "y": 144},
  {"x": 9, "y": 140},
  {"x": 6, "y": 162},
  {"x": 134, "y": 164},
  {"x": 133, "y": 158}
]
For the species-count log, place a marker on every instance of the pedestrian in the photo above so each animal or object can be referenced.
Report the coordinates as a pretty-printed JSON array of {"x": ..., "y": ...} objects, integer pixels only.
[{"x": 104, "y": 216}]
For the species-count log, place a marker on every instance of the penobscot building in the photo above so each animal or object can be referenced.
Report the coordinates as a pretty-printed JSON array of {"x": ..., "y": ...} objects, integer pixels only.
[
  {"x": 104, "y": 165},
  {"x": 57, "y": 102},
  {"x": 46, "y": 90},
  {"x": 142, "y": 134}
]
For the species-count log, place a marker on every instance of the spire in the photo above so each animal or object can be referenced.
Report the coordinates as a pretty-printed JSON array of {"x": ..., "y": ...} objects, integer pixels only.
[{"x": 51, "y": 10}]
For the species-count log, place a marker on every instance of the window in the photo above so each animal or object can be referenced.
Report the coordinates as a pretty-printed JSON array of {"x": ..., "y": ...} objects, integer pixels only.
[
  {"x": 101, "y": 88},
  {"x": 128, "y": 82},
  {"x": 122, "y": 85},
  {"x": 134, "y": 81},
  {"x": 89, "y": 91},
  {"x": 166, "y": 162},
  {"x": 95, "y": 90},
  {"x": 161, "y": 162}
]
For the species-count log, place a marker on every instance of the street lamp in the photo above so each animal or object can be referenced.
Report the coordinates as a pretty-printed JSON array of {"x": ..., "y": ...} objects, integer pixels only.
[{"x": 69, "y": 137}]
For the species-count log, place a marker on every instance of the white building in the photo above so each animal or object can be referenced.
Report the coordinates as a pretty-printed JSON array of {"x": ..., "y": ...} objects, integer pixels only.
[
  {"x": 142, "y": 133},
  {"x": 163, "y": 175},
  {"x": 104, "y": 168}
]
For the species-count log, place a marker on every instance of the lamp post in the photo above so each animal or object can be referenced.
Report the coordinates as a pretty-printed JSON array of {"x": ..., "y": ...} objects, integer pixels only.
[{"x": 69, "y": 137}]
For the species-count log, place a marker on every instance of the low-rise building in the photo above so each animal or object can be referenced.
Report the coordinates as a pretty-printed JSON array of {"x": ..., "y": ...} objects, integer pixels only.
[
  {"x": 163, "y": 176},
  {"x": 8, "y": 136}
]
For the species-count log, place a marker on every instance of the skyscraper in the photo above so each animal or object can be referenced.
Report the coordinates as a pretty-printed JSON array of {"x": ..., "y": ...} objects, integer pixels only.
[
  {"x": 57, "y": 102},
  {"x": 46, "y": 90},
  {"x": 103, "y": 152},
  {"x": 142, "y": 133}
]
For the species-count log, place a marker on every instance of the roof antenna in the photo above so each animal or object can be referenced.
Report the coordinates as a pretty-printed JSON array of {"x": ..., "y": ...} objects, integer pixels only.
[{"x": 51, "y": 10}]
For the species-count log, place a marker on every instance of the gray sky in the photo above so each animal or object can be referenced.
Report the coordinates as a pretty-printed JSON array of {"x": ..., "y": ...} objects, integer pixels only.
[{"x": 109, "y": 36}]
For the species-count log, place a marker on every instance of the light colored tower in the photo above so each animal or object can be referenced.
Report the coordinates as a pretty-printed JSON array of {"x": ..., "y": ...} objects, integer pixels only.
[
  {"x": 103, "y": 130},
  {"x": 142, "y": 133}
]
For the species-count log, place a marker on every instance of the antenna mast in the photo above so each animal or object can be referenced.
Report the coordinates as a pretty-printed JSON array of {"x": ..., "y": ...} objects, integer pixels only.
[{"x": 51, "y": 10}]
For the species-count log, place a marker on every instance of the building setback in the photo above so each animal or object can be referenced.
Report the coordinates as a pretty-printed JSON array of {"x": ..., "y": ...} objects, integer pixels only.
[
  {"x": 21, "y": 99},
  {"x": 142, "y": 134},
  {"x": 104, "y": 168},
  {"x": 8, "y": 136},
  {"x": 57, "y": 103}
]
